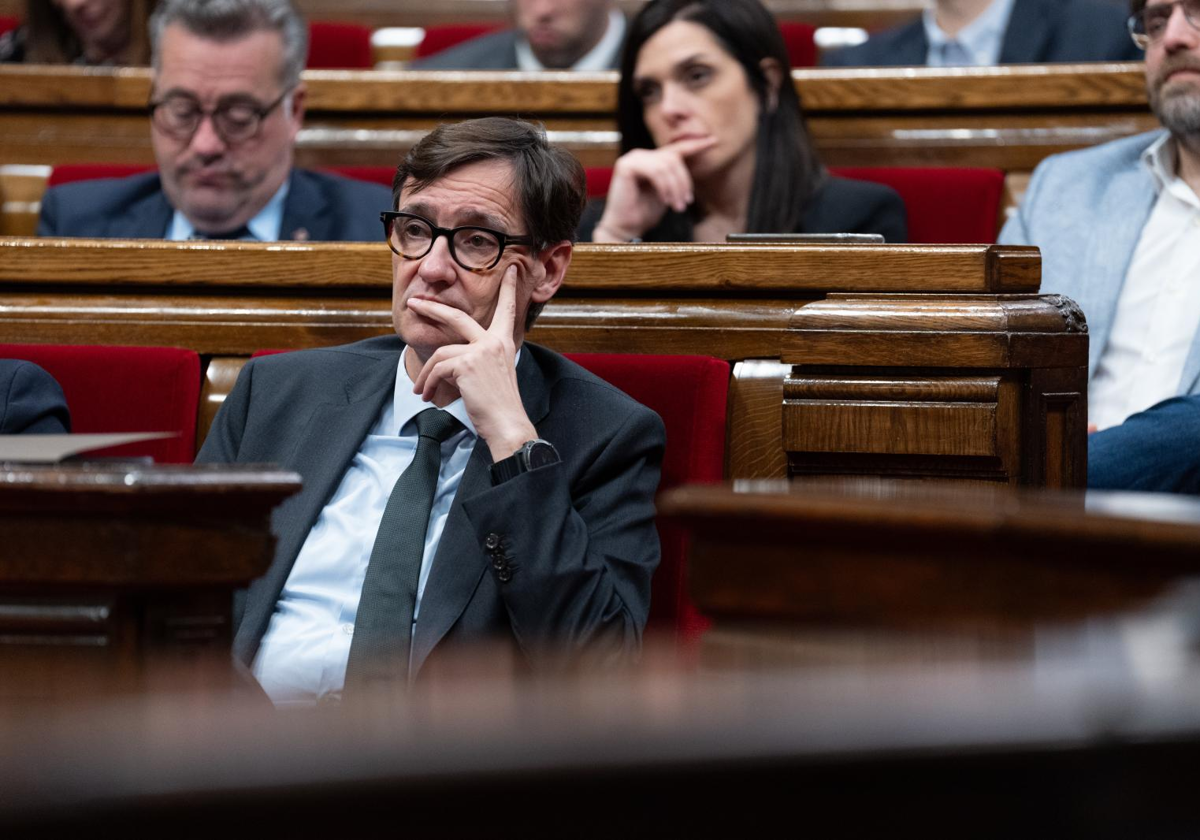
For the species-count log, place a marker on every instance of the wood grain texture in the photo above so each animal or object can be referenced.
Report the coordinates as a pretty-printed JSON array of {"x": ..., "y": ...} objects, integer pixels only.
[
  {"x": 755, "y": 420},
  {"x": 898, "y": 428}
]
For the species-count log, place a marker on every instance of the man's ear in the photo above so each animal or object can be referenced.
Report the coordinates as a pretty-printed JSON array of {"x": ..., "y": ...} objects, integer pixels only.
[
  {"x": 299, "y": 100},
  {"x": 775, "y": 75},
  {"x": 554, "y": 259}
]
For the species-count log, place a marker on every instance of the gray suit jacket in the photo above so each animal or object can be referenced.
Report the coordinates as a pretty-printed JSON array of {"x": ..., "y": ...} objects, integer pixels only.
[
  {"x": 1039, "y": 31},
  {"x": 494, "y": 51},
  {"x": 319, "y": 207},
  {"x": 580, "y": 535},
  {"x": 1086, "y": 210}
]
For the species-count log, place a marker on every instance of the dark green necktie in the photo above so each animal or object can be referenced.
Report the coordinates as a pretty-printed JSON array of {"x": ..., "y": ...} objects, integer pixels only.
[{"x": 383, "y": 626}]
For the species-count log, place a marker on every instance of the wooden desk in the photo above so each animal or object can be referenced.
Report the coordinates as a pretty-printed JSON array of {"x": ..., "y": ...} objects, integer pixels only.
[
  {"x": 901, "y": 360},
  {"x": 868, "y": 569},
  {"x": 119, "y": 577}
]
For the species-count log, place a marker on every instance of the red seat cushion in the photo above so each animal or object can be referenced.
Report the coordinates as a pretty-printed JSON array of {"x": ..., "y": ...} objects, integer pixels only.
[
  {"x": 125, "y": 389},
  {"x": 802, "y": 49},
  {"x": 8, "y": 23},
  {"x": 372, "y": 174},
  {"x": 438, "y": 38},
  {"x": 66, "y": 173},
  {"x": 345, "y": 46}
]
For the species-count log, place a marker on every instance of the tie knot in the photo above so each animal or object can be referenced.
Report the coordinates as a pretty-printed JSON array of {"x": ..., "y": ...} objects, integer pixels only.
[
  {"x": 437, "y": 424},
  {"x": 240, "y": 233}
]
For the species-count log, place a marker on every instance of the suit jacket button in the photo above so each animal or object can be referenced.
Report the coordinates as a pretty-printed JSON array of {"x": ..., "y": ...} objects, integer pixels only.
[
  {"x": 504, "y": 574},
  {"x": 492, "y": 542},
  {"x": 499, "y": 562}
]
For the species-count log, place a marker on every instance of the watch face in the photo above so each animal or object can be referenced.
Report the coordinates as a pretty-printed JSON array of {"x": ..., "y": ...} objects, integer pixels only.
[{"x": 541, "y": 454}]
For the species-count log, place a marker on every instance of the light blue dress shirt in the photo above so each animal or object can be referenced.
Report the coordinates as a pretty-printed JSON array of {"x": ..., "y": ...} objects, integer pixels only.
[
  {"x": 978, "y": 43},
  {"x": 264, "y": 227},
  {"x": 303, "y": 655}
]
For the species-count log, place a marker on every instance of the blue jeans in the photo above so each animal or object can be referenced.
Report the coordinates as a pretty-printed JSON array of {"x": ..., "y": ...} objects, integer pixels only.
[{"x": 1157, "y": 450}]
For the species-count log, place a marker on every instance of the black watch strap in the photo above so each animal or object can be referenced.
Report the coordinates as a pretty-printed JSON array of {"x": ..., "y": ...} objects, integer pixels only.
[{"x": 532, "y": 455}]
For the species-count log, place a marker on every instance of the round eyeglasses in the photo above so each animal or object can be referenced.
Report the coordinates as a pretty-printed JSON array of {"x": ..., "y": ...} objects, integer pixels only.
[
  {"x": 235, "y": 120},
  {"x": 1151, "y": 22},
  {"x": 474, "y": 248}
]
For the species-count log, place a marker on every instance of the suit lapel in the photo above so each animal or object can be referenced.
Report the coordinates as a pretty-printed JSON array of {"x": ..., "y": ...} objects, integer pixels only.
[
  {"x": 912, "y": 49},
  {"x": 323, "y": 451},
  {"x": 306, "y": 214},
  {"x": 146, "y": 219},
  {"x": 459, "y": 562},
  {"x": 1029, "y": 27}
]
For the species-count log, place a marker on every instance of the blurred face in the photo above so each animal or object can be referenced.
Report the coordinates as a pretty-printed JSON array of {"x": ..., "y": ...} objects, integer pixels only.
[
  {"x": 479, "y": 194},
  {"x": 560, "y": 32},
  {"x": 100, "y": 25},
  {"x": 218, "y": 184},
  {"x": 690, "y": 87},
  {"x": 1173, "y": 74}
]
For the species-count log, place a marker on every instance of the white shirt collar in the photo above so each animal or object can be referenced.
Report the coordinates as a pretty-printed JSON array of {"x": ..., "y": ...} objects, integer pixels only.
[
  {"x": 601, "y": 57},
  {"x": 406, "y": 405},
  {"x": 264, "y": 227},
  {"x": 1162, "y": 159},
  {"x": 982, "y": 38}
]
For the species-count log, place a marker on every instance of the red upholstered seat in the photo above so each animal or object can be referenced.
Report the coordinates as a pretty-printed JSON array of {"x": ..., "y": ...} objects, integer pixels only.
[
  {"x": 946, "y": 205},
  {"x": 7, "y": 23},
  {"x": 125, "y": 389},
  {"x": 372, "y": 174},
  {"x": 339, "y": 46},
  {"x": 66, "y": 173},
  {"x": 438, "y": 38},
  {"x": 689, "y": 393},
  {"x": 802, "y": 49}
]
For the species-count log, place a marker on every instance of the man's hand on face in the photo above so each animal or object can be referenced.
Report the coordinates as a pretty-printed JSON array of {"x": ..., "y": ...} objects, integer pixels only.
[{"x": 482, "y": 371}]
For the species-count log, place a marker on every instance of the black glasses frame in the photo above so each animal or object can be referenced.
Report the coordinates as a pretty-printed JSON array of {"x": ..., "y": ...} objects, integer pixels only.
[
  {"x": 1137, "y": 22},
  {"x": 260, "y": 112},
  {"x": 388, "y": 217}
]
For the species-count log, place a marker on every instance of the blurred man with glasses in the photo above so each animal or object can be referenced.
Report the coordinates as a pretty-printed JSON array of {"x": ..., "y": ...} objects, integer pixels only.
[
  {"x": 225, "y": 107},
  {"x": 1119, "y": 230},
  {"x": 533, "y": 524}
]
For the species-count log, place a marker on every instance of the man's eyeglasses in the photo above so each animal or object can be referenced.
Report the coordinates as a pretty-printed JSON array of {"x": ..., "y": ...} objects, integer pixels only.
[
  {"x": 1151, "y": 22},
  {"x": 474, "y": 248},
  {"x": 236, "y": 120}
]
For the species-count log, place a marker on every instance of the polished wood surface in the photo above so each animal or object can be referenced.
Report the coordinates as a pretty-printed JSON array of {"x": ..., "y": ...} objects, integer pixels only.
[
  {"x": 1003, "y": 117},
  {"x": 910, "y": 361},
  {"x": 120, "y": 574}
]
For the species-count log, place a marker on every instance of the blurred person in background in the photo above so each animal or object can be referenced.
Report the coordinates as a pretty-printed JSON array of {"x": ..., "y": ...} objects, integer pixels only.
[
  {"x": 31, "y": 401},
  {"x": 546, "y": 35},
  {"x": 713, "y": 140},
  {"x": 986, "y": 32},
  {"x": 94, "y": 32}
]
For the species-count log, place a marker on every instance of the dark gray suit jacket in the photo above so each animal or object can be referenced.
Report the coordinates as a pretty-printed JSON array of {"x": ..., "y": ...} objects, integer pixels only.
[
  {"x": 1039, "y": 32},
  {"x": 580, "y": 535},
  {"x": 494, "y": 51},
  {"x": 318, "y": 207},
  {"x": 31, "y": 401}
]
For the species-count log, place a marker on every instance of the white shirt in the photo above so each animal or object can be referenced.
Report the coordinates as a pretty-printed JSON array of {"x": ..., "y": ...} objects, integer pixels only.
[
  {"x": 978, "y": 43},
  {"x": 264, "y": 227},
  {"x": 1158, "y": 310},
  {"x": 603, "y": 56},
  {"x": 303, "y": 654}
]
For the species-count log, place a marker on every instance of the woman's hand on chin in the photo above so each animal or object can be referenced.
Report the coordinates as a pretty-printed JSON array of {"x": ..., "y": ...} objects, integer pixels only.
[{"x": 645, "y": 183}]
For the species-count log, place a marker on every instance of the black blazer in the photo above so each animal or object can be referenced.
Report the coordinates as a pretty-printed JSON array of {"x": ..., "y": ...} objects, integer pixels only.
[
  {"x": 1039, "y": 32},
  {"x": 494, "y": 51},
  {"x": 840, "y": 205},
  {"x": 580, "y": 535},
  {"x": 31, "y": 401},
  {"x": 318, "y": 207}
]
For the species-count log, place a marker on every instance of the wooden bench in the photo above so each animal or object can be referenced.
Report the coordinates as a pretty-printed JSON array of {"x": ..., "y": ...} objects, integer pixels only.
[{"x": 911, "y": 361}]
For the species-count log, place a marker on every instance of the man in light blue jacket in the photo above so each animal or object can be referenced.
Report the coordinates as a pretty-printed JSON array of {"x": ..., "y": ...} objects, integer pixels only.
[{"x": 1119, "y": 230}]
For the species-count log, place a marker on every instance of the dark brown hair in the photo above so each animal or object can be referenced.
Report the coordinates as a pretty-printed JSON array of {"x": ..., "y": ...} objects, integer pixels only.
[
  {"x": 548, "y": 183},
  {"x": 787, "y": 170},
  {"x": 52, "y": 41}
]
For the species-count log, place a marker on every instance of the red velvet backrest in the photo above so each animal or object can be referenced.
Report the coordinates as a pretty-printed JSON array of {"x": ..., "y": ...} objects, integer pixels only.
[
  {"x": 7, "y": 23},
  {"x": 438, "y": 38},
  {"x": 125, "y": 389},
  {"x": 689, "y": 394},
  {"x": 66, "y": 173},
  {"x": 339, "y": 46},
  {"x": 946, "y": 205},
  {"x": 372, "y": 174},
  {"x": 801, "y": 47}
]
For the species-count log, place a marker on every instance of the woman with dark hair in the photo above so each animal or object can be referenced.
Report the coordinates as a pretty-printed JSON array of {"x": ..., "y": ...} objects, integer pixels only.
[
  {"x": 713, "y": 141},
  {"x": 81, "y": 32}
]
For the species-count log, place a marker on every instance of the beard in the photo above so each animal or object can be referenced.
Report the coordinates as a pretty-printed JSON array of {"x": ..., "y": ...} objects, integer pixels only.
[{"x": 1176, "y": 106}]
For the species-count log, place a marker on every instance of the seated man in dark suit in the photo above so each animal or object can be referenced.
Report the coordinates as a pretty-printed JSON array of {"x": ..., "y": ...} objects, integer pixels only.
[
  {"x": 547, "y": 35},
  {"x": 226, "y": 104},
  {"x": 31, "y": 402},
  {"x": 522, "y": 512},
  {"x": 986, "y": 32}
]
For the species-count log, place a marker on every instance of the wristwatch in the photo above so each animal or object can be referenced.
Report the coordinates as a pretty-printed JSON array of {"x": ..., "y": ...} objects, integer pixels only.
[{"x": 532, "y": 455}]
